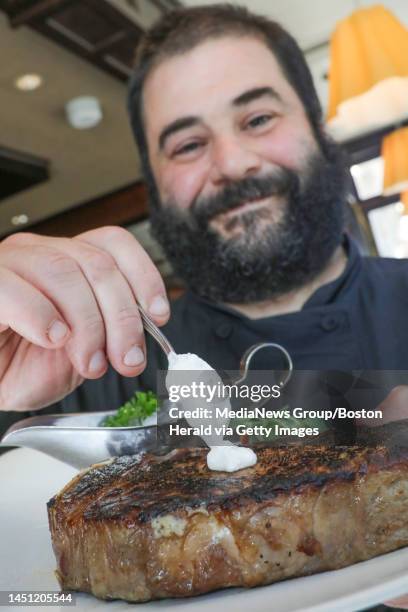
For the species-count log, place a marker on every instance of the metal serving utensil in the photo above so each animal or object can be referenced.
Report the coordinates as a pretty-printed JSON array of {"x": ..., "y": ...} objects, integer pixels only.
[
  {"x": 155, "y": 332},
  {"x": 79, "y": 440}
]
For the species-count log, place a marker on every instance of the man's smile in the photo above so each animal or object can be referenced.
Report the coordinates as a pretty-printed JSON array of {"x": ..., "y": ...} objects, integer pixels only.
[
  {"x": 229, "y": 219},
  {"x": 248, "y": 205}
]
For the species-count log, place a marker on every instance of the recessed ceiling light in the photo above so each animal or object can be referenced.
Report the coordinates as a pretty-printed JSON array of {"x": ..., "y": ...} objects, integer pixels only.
[
  {"x": 28, "y": 82},
  {"x": 19, "y": 219}
]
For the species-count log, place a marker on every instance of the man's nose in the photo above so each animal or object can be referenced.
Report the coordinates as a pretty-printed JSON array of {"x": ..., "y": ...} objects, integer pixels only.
[{"x": 232, "y": 160}]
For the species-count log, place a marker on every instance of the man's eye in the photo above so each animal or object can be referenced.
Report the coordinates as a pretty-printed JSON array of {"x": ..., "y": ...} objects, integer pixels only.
[
  {"x": 187, "y": 148},
  {"x": 258, "y": 121}
]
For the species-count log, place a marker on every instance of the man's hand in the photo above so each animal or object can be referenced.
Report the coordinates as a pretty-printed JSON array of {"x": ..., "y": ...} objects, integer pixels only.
[
  {"x": 394, "y": 408},
  {"x": 398, "y": 603},
  {"x": 67, "y": 308}
]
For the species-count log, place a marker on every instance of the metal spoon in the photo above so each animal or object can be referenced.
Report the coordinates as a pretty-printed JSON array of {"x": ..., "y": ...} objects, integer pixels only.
[{"x": 155, "y": 332}]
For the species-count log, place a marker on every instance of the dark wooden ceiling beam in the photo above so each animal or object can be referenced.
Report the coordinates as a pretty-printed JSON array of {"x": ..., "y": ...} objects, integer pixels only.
[
  {"x": 122, "y": 207},
  {"x": 36, "y": 10},
  {"x": 108, "y": 41},
  {"x": 19, "y": 171},
  {"x": 165, "y": 5},
  {"x": 106, "y": 44}
]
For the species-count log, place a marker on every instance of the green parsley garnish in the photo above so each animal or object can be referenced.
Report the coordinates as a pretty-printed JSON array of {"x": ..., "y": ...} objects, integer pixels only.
[{"x": 134, "y": 412}]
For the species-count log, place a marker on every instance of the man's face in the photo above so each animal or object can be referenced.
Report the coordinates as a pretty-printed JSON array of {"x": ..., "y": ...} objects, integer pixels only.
[
  {"x": 231, "y": 148},
  {"x": 220, "y": 113}
]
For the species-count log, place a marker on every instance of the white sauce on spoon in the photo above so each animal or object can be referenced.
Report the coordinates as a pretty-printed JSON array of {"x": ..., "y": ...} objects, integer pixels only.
[{"x": 223, "y": 455}]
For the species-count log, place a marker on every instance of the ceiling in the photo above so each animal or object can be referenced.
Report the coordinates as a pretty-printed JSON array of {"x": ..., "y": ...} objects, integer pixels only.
[{"x": 85, "y": 164}]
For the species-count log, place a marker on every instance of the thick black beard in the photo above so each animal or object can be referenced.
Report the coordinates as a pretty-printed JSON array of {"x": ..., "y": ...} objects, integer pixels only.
[{"x": 267, "y": 259}]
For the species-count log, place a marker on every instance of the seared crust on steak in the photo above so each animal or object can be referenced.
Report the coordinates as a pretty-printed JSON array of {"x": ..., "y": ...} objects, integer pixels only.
[{"x": 146, "y": 527}]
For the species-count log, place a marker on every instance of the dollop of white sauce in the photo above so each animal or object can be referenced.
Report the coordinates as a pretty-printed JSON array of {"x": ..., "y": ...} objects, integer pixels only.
[
  {"x": 230, "y": 458},
  {"x": 187, "y": 361},
  {"x": 224, "y": 456}
]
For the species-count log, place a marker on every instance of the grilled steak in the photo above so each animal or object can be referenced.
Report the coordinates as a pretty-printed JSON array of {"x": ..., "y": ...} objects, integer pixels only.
[{"x": 146, "y": 527}]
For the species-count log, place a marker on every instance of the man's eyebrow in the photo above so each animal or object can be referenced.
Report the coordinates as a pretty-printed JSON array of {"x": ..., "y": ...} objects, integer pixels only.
[
  {"x": 176, "y": 126},
  {"x": 254, "y": 94},
  {"x": 244, "y": 98}
]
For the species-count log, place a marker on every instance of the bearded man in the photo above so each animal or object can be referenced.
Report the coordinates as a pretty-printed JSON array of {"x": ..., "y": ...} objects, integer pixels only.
[{"x": 247, "y": 197}]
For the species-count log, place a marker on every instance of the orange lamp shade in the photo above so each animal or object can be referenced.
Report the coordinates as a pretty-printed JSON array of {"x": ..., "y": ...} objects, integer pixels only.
[
  {"x": 368, "y": 76},
  {"x": 395, "y": 154}
]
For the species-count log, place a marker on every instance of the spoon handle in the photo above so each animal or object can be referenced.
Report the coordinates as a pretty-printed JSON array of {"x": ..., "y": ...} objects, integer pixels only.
[{"x": 155, "y": 332}]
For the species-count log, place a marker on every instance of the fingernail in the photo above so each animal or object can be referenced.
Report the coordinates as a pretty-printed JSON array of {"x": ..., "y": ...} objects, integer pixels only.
[
  {"x": 134, "y": 357},
  {"x": 159, "y": 307},
  {"x": 97, "y": 362},
  {"x": 57, "y": 331}
]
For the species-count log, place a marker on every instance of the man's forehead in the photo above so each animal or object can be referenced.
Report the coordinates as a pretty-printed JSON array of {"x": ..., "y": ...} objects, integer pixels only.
[{"x": 214, "y": 72}]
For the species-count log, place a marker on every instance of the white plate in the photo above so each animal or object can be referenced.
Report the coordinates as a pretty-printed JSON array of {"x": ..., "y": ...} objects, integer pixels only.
[{"x": 27, "y": 481}]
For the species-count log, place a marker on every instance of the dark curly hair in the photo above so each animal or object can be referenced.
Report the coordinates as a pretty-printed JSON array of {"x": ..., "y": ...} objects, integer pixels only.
[{"x": 182, "y": 29}]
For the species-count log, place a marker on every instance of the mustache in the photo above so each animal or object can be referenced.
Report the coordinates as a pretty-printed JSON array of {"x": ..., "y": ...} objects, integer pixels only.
[{"x": 236, "y": 193}]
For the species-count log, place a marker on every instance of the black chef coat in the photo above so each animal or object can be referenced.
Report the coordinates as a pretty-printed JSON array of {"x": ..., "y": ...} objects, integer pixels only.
[{"x": 356, "y": 322}]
